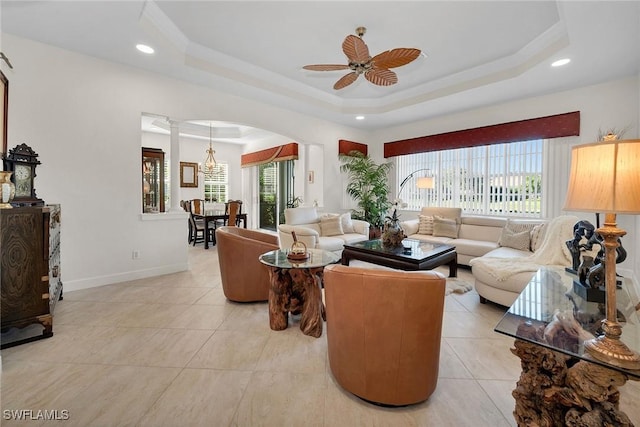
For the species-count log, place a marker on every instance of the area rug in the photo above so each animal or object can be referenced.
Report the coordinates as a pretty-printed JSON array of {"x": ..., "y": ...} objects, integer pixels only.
[{"x": 458, "y": 286}]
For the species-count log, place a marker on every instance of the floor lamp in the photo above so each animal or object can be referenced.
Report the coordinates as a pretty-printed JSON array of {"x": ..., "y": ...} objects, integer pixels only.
[
  {"x": 605, "y": 177},
  {"x": 423, "y": 182}
]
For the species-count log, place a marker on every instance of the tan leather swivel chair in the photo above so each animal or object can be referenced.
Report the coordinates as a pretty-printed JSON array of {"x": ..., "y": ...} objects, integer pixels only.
[
  {"x": 383, "y": 332},
  {"x": 244, "y": 278}
]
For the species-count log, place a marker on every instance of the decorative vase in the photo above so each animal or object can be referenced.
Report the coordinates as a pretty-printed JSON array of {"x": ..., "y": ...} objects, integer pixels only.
[
  {"x": 7, "y": 190},
  {"x": 392, "y": 235}
]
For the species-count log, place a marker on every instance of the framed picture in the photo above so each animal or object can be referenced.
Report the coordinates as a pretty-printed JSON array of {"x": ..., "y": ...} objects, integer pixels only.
[
  {"x": 4, "y": 101},
  {"x": 188, "y": 174}
]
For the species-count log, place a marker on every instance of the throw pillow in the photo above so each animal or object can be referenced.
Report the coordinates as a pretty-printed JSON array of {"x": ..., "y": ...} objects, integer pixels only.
[
  {"x": 515, "y": 239},
  {"x": 331, "y": 226},
  {"x": 445, "y": 227},
  {"x": 347, "y": 224},
  {"x": 519, "y": 226},
  {"x": 425, "y": 224},
  {"x": 537, "y": 236}
]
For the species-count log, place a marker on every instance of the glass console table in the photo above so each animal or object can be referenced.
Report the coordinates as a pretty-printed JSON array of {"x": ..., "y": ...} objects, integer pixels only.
[{"x": 560, "y": 383}]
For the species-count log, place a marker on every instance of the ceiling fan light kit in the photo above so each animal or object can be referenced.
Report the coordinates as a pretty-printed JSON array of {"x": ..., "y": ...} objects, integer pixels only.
[{"x": 376, "y": 70}]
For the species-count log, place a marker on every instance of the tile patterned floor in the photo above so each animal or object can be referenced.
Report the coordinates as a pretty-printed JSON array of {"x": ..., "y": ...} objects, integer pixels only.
[{"x": 172, "y": 351}]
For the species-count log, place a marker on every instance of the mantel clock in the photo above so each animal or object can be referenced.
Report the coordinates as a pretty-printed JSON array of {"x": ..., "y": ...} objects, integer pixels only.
[{"x": 22, "y": 161}]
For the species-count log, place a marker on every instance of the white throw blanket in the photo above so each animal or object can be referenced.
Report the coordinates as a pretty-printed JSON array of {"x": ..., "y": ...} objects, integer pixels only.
[{"x": 553, "y": 251}]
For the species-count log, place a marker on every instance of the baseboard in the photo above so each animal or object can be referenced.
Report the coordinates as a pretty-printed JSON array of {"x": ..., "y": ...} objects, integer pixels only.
[{"x": 92, "y": 282}]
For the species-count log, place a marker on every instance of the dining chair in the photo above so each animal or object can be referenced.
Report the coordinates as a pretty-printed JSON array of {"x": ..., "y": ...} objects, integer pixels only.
[
  {"x": 220, "y": 207},
  {"x": 233, "y": 209},
  {"x": 186, "y": 206},
  {"x": 197, "y": 206},
  {"x": 197, "y": 226}
]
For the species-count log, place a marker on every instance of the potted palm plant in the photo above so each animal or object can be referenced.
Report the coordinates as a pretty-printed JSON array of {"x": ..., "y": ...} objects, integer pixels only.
[{"x": 368, "y": 186}]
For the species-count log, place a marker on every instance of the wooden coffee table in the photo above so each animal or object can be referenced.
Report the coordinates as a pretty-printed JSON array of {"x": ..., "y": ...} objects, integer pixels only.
[{"x": 420, "y": 256}]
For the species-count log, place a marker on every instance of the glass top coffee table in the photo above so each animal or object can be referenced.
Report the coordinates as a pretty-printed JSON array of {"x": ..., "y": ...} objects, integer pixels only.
[{"x": 412, "y": 255}]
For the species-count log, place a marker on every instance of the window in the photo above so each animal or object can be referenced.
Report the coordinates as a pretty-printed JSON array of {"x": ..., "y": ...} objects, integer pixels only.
[
  {"x": 499, "y": 179},
  {"x": 216, "y": 183}
]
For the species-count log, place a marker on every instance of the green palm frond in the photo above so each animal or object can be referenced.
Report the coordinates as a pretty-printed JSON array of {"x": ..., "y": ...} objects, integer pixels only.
[{"x": 368, "y": 186}]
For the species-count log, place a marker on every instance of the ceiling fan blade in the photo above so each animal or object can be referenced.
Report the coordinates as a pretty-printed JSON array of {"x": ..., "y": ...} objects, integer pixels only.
[
  {"x": 346, "y": 80},
  {"x": 326, "y": 67},
  {"x": 381, "y": 77},
  {"x": 395, "y": 57},
  {"x": 355, "y": 49}
]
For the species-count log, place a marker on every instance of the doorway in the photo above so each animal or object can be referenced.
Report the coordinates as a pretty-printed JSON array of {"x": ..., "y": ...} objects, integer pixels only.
[{"x": 275, "y": 186}]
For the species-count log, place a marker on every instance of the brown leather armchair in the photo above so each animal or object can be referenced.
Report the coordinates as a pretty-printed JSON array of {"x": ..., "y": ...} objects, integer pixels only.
[
  {"x": 383, "y": 332},
  {"x": 244, "y": 278}
]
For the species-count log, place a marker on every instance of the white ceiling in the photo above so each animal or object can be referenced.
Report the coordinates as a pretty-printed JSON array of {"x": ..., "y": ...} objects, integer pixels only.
[{"x": 476, "y": 53}]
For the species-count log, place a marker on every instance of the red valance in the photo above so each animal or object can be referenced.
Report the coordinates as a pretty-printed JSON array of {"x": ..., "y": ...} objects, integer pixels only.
[
  {"x": 345, "y": 147},
  {"x": 275, "y": 154},
  {"x": 567, "y": 124}
]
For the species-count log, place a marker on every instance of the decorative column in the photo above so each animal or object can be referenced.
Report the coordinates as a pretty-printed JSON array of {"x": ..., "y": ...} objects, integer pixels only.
[{"x": 175, "y": 167}]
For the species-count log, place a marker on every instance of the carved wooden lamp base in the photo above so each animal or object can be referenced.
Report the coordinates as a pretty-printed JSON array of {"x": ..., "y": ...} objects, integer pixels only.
[
  {"x": 612, "y": 350},
  {"x": 608, "y": 347}
]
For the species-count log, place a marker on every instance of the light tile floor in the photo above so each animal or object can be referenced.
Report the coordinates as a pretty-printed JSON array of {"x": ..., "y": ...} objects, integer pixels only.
[{"x": 172, "y": 351}]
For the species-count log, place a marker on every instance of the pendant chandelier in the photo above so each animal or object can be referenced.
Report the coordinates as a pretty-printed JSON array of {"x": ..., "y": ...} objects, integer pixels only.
[{"x": 210, "y": 161}]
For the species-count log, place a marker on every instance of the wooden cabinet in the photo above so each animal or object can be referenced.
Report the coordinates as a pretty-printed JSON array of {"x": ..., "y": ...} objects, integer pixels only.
[
  {"x": 29, "y": 264},
  {"x": 152, "y": 180},
  {"x": 55, "y": 278}
]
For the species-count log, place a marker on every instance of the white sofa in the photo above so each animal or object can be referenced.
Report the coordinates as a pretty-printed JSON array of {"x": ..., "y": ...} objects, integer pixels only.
[
  {"x": 477, "y": 235},
  {"x": 326, "y": 231},
  {"x": 502, "y": 274},
  {"x": 482, "y": 244}
]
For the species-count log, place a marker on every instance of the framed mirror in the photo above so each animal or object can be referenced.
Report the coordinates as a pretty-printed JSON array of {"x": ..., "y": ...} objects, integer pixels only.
[{"x": 188, "y": 174}]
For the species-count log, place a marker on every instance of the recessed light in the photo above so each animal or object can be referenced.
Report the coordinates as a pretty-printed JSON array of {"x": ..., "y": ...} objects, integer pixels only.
[
  {"x": 145, "y": 49},
  {"x": 560, "y": 62},
  {"x": 359, "y": 117}
]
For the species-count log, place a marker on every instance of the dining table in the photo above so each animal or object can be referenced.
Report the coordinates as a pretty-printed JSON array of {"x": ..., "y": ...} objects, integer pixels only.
[{"x": 212, "y": 215}]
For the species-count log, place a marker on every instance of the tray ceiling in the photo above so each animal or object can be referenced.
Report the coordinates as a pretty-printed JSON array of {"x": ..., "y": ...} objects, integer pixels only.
[{"x": 475, "y": 53}]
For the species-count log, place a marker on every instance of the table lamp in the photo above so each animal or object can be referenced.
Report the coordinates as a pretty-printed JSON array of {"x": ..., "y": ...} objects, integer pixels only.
[{"x": 605, "y": 177}]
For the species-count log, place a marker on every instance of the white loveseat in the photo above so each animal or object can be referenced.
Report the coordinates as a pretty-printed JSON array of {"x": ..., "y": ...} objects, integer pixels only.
[{"x": 328, "y": 231}]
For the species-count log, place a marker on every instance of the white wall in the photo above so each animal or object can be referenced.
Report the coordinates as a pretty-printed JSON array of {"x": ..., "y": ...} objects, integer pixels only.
[{"x": 82, "y": 116}]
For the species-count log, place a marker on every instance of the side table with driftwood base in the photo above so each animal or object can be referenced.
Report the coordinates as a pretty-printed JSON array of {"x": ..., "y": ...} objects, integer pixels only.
[
  {"x": 561, "y": 384},
  {"x": 295, "y": 288},
  {"x": 555, "y": 389}
]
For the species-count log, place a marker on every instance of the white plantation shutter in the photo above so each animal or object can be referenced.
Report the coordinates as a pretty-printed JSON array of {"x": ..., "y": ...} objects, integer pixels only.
[
  {"x": 216, "y": 183},
  {"x": 499, "y": 179}
]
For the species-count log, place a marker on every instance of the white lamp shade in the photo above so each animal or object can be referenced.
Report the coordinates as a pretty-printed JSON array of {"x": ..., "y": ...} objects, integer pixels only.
[
  {"x": 605, "y": 177},
  {"x": 426, "y": 182}
]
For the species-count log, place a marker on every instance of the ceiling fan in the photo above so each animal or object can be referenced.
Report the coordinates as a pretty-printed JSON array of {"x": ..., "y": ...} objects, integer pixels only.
[{"x": 375, "y": 69}]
